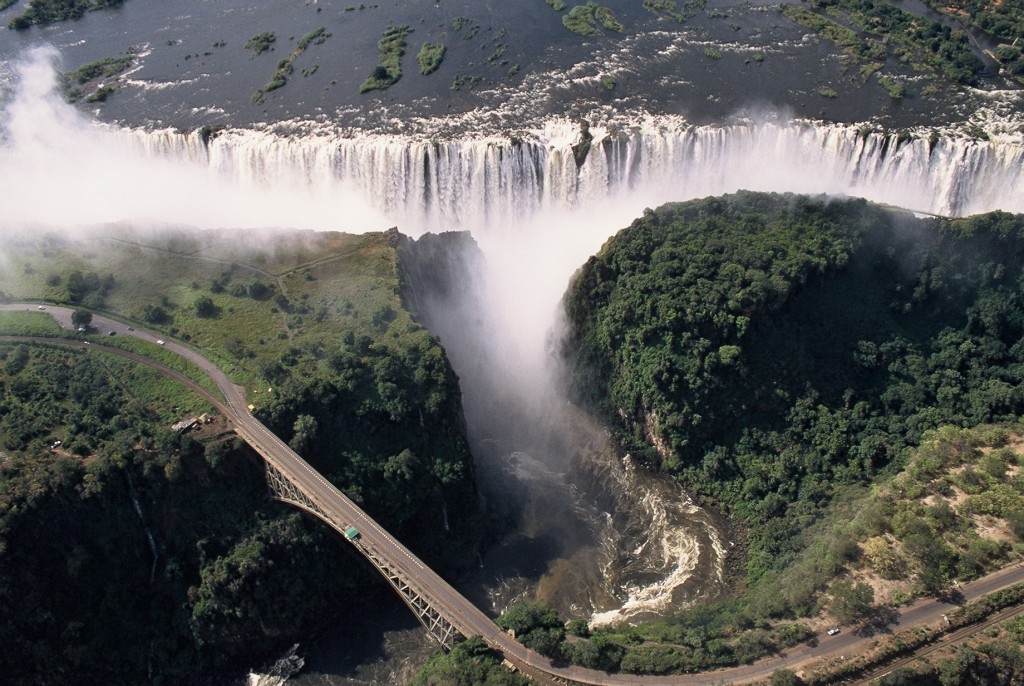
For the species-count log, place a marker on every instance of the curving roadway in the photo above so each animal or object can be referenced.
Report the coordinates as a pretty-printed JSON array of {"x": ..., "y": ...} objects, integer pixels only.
[{"x": 339, "y": 511}]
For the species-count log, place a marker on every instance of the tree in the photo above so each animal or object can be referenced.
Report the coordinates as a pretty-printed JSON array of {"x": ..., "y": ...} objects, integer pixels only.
[
  {"x": 784, "y": 677},
  {"x": 884, "y": 559},
  {"x": 536, "y": 625},
  {"x": 525, "y": 615},
  {"x": 578, "y": 627},
  {"x": 81, "y": 319},
  {"x": 582, "y": 652},
  {"x": 401, "y": 467},
  {"x": 205, "y": 307},
  {"x": 901, "y": 676},
  {"x": 851, "y": 601},
  {"x": 259, "y": 291},
  {"x": 304, "y": 431},
  {"x": 154, "y": 314},
  {"x": 470, "y": 663}
]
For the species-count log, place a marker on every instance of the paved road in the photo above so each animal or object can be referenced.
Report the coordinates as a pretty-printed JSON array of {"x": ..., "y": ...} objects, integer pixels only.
[
  {"x": 944, "y": 642},
  {"x": 469, "y": 620}
]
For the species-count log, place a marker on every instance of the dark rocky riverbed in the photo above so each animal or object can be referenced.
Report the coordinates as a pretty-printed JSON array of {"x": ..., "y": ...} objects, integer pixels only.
[{"x": 506, "y": 63}]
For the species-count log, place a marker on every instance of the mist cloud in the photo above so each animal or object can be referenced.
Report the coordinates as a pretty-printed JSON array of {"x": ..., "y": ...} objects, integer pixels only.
[{"x": 60, "y": 169}]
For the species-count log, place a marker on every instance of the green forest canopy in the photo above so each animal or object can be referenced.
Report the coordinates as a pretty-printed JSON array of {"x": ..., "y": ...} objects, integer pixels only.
[{"x": 768, "y": 349}]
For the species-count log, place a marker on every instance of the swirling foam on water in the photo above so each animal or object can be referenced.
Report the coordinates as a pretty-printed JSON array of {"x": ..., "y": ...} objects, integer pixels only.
[{"x": 668, "y": 551}]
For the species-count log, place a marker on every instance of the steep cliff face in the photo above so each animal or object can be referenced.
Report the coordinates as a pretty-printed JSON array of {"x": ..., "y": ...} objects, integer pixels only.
[{"x": 440, "y": 274}]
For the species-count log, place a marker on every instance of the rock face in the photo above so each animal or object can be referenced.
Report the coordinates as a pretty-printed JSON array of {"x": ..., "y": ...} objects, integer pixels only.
[
  {"x": 582, "y": 147},
  {"x": 435, "y": 268}
]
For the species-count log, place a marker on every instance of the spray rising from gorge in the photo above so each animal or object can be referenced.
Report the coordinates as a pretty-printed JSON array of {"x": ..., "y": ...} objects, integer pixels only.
[{"x": 630, "y": 545}]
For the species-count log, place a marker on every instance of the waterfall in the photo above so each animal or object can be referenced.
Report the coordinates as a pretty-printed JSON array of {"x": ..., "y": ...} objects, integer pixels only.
[
  {"x": 536, "y": 216},
  {"x": 499, "y": 181},
  {"x": 133, "y": 492}
]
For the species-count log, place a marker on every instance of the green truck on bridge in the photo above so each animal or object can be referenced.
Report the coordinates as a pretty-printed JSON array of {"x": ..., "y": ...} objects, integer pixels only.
[{"x": 352, "y": 533}]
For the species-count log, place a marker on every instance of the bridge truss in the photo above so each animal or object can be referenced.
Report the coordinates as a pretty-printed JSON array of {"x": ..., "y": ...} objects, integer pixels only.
[{"x": 437, "y": 625}]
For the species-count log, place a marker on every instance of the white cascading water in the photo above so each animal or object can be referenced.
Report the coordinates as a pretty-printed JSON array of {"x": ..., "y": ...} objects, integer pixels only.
[{"x": 497, "y": 182}]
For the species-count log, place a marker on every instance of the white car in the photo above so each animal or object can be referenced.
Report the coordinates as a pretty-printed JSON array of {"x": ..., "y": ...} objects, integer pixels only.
[
  {"x": 833, "y": 631},
  {"x": 159, "y": 341}
]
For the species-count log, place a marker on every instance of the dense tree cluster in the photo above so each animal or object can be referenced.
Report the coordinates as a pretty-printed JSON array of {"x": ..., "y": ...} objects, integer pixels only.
[
  {"x": 770, "y": 349},
  {"x": 470, "y": 663},
  {"x": 992, "y": 662},
  {"x": 214, "y": 573},
  {"x": 89, "y": 289},
  {"x": 536, "y": 625},
  {"x": 128, "y": 550},
  {"x": 335, "y": 365},
  {"x": 357, "y": 414},
  {"x": 691, "y": 645},
  {"x": 1002, "y": 19}
]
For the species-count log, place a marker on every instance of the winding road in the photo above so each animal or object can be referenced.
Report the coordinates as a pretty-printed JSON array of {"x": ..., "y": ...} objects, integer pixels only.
[{"x": 340, "y": 512}]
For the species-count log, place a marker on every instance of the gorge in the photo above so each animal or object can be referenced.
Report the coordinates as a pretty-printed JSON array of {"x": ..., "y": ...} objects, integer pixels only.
[{"x": 534, "y": 217}]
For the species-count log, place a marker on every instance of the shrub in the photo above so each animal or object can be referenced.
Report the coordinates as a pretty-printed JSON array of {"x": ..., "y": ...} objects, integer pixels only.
[
  {"x": 204, "y": 307},
  {"x": 584, "y": 19},
  {"x": 894, "y": 88},
  {"x": 261, "y": 42},
  {"x": 430, "y": 57}
]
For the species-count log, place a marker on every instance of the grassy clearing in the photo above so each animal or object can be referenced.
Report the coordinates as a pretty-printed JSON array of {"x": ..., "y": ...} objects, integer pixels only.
[
  {"x": 29, "y": 324},
  {"x": 168, "y": 398},
  {"x": 163, "y": 356},
  {"x": 310, "y": 288}
]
